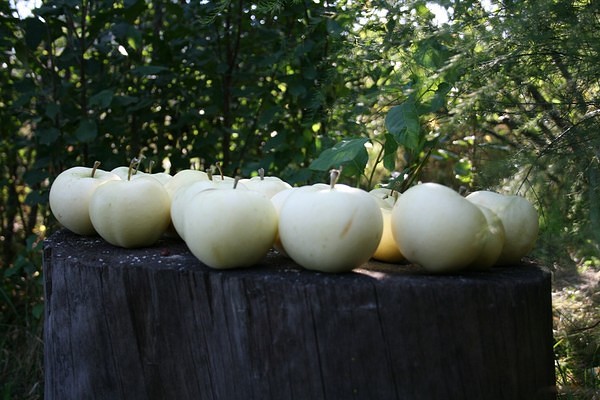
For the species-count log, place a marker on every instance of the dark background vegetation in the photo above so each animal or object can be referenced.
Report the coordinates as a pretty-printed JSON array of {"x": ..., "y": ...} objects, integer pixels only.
[{"x": 505, "y": 95}]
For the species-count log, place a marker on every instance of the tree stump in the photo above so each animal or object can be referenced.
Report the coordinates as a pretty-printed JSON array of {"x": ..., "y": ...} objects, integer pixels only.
[{"x": 154, "y": 323}]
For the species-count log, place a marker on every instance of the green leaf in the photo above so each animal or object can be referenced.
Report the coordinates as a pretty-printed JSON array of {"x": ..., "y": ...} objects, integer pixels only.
[
  {"x": 333, "y": 27},
  {"x": 344, "y": 152},
  {"x": 402, "y": 122},
  {"x": 35, "y": 197},
  {"x": 102, "y": 99},
  {"x": 297, "y": 90},
  {"x": 86, "y": 131},
  {"x": 47, "y": 136},
  {"x": 149, "y": 70},
  {"x": 34, "y": 32},
  {"x": 439, "y": 98},
  {"x": 33, "y": 177},
  {"x": 38, "y": 311},
  {"x": 390, "y": 149},
  {"x": 125, "y": 100},
  {"x": 268, "y": 115},
  {"x": 52, "y": 110}
]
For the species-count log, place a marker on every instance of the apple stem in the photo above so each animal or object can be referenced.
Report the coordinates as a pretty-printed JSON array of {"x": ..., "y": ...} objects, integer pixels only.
[
  {"x": 261, "y": 173},
  {"x": 235, "y": 181},
  {"x": 334, "y": 174},
  {"x": 218, "y": 165},
  {"x": 132, "y": 167},
  {"x": 139, "y": 161},
  {"x": 209, "y": 173},
  {"x": 150, "y": 166},
  {"x": 95, "y": 167}
]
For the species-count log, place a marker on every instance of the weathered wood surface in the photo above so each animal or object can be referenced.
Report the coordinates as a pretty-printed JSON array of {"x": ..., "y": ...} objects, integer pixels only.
[{"x": 155, "y": 323}]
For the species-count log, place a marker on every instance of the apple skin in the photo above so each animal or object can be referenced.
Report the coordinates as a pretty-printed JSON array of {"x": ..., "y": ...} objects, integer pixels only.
[
  {"x": 230, "y": 228},
  {"x": 437, "y": 228},
  {"x": 387, "y": 250},
  {"x": 330, "y": 229},
  {"x": 519, "y": 219},
  {"x": 132, "y": 213},
  {"x": 493, "y": 243},
  {"x": 182, "y": 197},
  {"x": 269, "y": 185},
  {"x": 184, "y": 178},
  {"x": 123, "y": 173},
  {"x": 277, "y": 200},
  {"x": 70, "y": 195},
  {"x": 162, "y": 177},
  {"x": 389, "y": 196}
]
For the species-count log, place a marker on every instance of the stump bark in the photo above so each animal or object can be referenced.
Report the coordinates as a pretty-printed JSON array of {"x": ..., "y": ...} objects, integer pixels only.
[{"x": 155, "y": 323}]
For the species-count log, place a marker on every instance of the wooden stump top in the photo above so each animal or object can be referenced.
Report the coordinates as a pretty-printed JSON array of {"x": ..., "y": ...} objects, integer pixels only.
[
  {"x": 155, "y": 323},
  {"x": 172, "y": 254}
]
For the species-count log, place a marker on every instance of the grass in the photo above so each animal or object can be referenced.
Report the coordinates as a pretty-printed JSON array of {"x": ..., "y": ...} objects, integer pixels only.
[
  {"x": 576, "y": 302},
  {"x": 21, "y": 362}
]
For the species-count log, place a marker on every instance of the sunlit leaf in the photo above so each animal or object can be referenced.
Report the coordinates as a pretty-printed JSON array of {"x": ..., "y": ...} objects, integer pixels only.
[
  {"x": 348, "y": 150},
  {"x": 402, "y": 122},
  {"x": 439, "y": 98}
]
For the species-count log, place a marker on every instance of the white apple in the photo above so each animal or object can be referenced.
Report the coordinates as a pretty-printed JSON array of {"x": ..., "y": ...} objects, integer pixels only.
[
  {"x": 279, "y": 198},
  {"x": 182, "y": 197},
  {"x": 269, "y": 185},
  {"x": 493, "y": 243},
  {"x": 123, "y": 173},
  {"x": 331, "y": 229},
  {"x": 230, "y": 228},
  {"x": 437, "y": 228},
  {"x": 519, "y": 218},
  {"x": 388, "y": 195},
  {"x": 184, "y": 178},
  {"x": 130, "y": 213},
  {"x": 162, "y": 177},
  {"x": 126, "y": 173},
  {"x": 70, "y": 195},
  {"x": 387, "y": 250}
]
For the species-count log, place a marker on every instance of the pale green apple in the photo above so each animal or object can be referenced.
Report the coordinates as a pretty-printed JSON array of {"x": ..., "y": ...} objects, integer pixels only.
[
  {"x": 436, "y": 227},
  {"x": 230, "y": 228},
  {"x": 124, "y": 172},
  {"x": 269, "y": 185},
  {"x": 184, "y": 178},
  {"x": 387, "y": 250},
  {"x": 388, "y": 195},
  {"x": 330, "y": 228},
  {"x": 493, "y": 243},
  {"x": 131, "y": 213},
  {"x": 182, "y": 197},
  {"x": 519, "y": 219},
  {"x": 70, "y": 195}
]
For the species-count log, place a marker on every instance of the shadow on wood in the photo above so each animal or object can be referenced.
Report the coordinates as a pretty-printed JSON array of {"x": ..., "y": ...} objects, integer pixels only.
[{"x": 154, "y": 323}]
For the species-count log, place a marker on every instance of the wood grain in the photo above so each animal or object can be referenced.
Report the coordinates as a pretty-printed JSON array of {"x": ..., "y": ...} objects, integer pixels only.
[{"x": 155, "y": 323}]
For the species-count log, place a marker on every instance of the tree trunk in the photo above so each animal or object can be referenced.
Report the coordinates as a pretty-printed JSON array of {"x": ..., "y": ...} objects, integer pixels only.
[{"x": 154, "y": 323}]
